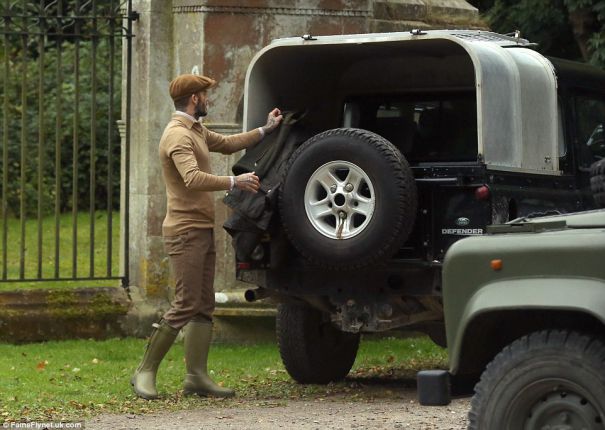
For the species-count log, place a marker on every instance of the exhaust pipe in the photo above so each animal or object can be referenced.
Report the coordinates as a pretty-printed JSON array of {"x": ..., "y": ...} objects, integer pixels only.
[{"x": 259, "y": 293}]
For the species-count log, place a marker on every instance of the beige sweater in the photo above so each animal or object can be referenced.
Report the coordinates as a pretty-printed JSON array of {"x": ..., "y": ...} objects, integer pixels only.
[{"x": 185, "y": 150}]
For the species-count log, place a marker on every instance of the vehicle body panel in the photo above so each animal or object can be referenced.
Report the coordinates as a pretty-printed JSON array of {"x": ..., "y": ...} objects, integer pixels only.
[
  {"x": 552, "y": 263},
  {"x": 510, "y": 84}
]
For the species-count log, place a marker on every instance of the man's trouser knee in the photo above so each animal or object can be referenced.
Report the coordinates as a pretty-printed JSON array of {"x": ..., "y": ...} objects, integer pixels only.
[{"x": 192, "y": 259}]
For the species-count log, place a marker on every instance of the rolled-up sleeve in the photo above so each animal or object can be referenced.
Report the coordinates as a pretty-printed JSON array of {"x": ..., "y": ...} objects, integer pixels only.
[{"x": 185, "y": 162}]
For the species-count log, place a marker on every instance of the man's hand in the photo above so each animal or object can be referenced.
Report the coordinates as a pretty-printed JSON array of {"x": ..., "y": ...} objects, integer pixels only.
[
  {"x": 247, "y": 182},
  {"x": 273, "y": 120}
]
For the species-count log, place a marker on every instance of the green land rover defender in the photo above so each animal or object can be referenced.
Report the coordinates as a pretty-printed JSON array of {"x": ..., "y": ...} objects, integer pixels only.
[{"x": 524, "y": 308}]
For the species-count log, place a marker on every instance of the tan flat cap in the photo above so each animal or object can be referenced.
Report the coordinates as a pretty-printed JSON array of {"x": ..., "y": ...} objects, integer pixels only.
[{"x": 185, "y": 85}]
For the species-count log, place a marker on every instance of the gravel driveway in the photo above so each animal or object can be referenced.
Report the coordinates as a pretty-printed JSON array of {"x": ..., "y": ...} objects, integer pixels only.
[{"x": 330, "y": 413}]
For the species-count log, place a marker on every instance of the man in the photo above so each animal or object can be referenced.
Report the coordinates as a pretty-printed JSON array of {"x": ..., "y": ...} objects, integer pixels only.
[{"x": 188, "y": 232}]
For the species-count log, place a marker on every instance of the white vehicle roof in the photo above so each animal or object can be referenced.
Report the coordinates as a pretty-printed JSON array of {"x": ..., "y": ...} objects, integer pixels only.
[{"x": 515, "y": 86}]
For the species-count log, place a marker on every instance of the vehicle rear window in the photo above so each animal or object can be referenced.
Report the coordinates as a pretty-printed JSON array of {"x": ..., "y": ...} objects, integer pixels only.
[{"x": 424, "y": 128}]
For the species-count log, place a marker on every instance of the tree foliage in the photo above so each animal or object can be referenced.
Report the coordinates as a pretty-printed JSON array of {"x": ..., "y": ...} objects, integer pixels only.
[
  {"x": 62, "y": 118},
  {"x": 572, "y": 29}
]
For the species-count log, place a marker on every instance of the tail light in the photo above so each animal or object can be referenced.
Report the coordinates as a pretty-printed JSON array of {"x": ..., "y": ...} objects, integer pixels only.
[{"x": 482, "y": 193}]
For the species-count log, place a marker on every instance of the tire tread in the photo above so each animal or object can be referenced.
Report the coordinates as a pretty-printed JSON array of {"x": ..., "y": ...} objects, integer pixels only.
[
  {"x": 562, "y": 339},
  {"x": 302, "y": 353}
]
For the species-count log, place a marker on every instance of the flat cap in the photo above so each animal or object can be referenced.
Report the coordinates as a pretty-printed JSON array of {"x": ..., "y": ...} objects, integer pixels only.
[{"x": 185, "y": 85}]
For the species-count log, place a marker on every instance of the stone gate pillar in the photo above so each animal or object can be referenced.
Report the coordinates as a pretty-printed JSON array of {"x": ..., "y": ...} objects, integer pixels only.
[{"x": 151, "y": 107}]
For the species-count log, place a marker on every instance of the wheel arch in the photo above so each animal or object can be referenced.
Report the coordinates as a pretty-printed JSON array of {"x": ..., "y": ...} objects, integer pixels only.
[{"x": 498, "y": 314}]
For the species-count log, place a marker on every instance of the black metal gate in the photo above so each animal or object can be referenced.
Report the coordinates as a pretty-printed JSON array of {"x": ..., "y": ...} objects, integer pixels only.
[{"x": 64, "y": 65}]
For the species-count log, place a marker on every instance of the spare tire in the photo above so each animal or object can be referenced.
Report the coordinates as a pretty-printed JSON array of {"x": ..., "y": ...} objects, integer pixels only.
[
  {"x": 348, "y": 199},
  {"x": 597, "y": 182}
]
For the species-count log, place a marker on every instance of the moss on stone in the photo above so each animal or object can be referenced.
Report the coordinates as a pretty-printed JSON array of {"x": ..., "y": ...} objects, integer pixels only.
[
  {"x": 62, "y": 314},
  {"x": 103, "y": 304},
  {"x": 59, "y": 298},
  {"x": 156, "y": 279}
]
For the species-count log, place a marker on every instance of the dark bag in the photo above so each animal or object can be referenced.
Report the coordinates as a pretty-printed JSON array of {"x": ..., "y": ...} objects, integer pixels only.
[
  {"x": 245, "y": 236},
  {"x": 256, "y": 208},
  {"x": 252, "y": 213},
  {"x": 251, "y": 216},
  {"x": 261, "y": 157}
]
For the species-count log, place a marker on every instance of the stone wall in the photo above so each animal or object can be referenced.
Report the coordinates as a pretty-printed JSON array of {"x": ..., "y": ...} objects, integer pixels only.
[
  {"x": 218, "y": 38},
  {"x": 43, "y": 314}
]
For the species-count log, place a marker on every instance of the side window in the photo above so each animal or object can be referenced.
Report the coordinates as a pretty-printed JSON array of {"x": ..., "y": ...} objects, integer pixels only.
[{"x": 589, "y": 138}]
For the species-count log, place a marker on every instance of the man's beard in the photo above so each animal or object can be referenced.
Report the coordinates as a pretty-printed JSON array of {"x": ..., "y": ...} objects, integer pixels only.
[{"x": 200, "y": 110}]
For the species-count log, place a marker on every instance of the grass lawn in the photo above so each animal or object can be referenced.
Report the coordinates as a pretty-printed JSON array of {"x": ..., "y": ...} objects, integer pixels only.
[
  {"x": 66, "y": 251},
  {"x": 72, "y": 380}
]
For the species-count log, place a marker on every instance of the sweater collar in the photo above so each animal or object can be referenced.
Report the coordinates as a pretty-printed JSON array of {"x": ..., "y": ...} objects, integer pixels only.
[{"x": 185, "y": 118}]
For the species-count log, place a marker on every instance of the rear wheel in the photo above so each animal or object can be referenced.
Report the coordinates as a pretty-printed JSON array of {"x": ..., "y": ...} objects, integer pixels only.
[
  {"x": 312, "y": 350},
  {"x": 547, "y": 380}
]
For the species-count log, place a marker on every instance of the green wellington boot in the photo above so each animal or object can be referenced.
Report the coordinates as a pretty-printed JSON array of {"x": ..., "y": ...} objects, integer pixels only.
[
  {"x": 197, "y": 343},
  {"x": 143, "y": 380}
]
